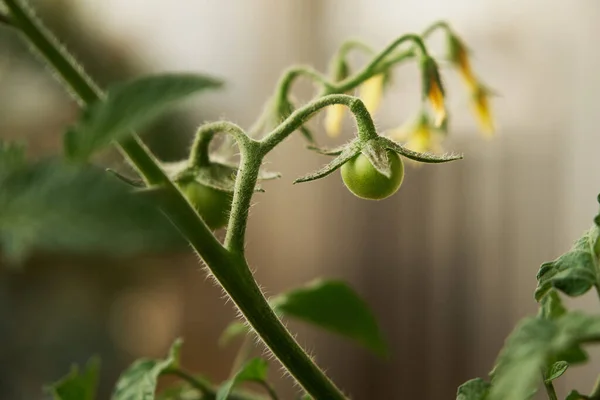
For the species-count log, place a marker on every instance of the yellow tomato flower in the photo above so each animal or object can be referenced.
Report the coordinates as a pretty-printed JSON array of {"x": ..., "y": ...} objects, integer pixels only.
[
  {"x": 371, "y": 92},
  {"x": 459, "y": 56},
  {"x": 333, "y": 119},
  {"x": 420, "y": 136},
  {"x": 481, "y": 108},
  {"x": 433, "y": 90}
]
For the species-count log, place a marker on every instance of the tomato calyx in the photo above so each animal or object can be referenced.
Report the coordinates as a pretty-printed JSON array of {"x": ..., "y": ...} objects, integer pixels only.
[
  {"x": 217, "y": 174},
  {"x": 376, "y": 151}
]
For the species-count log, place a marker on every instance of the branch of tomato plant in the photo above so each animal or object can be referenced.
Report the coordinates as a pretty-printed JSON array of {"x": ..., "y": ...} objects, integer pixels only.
[
  {"x": 253, "y": 152},
  {"x": 204, "y": 135},
  {"x": 549, "y": 386},
  {"x": 207, "y": 391},
  {"x": 227, "y": 264}
]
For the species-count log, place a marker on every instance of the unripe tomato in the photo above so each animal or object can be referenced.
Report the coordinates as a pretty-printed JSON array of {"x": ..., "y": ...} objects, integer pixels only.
[
  {"x": 362, "y": 179},
  {"x": 213, "y": 205}
]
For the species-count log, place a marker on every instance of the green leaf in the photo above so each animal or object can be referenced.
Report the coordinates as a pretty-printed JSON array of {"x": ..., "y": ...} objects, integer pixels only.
[
  {"x": 59, "y": 207},
  {"x": 573, "y": 273},
  {"x": 532, "y": 345},
  {"x": 130, "y": 106},
  {"x": 254, "y": 370},
  {"x": 551, "y": 306},
  {"x": 334, "y": 306},
  {"x": 475, "y": 389},
  {"x": 12, "y": 156},
  {"x": 76, "y": 385},
  {"x": 556, "y": 370},
  {"x": 575, "y": 395},
  {"x": 138, "y": 382}
]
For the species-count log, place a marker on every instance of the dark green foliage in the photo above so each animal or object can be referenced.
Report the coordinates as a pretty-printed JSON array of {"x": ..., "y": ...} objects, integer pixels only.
[
  {"x": 532, "y": 345},
  {"x": 573, "y": 273},
  {"x": 127, "y": 107},
  {"x": 139, "y": 381},
  {"x": 77, "y": 385},
  {"x": 475, "y": 389},
  {"x": 330, "y": 305},
  {"x": 334, "y": 306},
  {"x": 55, "y": 206}
]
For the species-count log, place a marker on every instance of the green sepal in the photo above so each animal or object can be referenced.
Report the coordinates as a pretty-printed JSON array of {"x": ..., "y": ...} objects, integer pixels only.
[
  {"x": 376, "y": 153},
  {"x": 350, "y": 151},
  {"x": 375, "y": 150},
  {"x": 219, "y": 174},
  {"x": 421, "y": 157},
  {"x": 336, "y": 151},
  {"x": 136, "y": 183}
]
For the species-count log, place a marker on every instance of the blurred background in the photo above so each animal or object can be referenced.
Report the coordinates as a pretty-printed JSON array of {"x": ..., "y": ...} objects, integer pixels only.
[{"x": 448, "y": 264}]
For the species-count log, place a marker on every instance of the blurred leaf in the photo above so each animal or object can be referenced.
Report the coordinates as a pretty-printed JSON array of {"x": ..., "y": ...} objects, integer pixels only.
[
  {"x": 182, "y": 391},
  {"x": 130, "y": 106},
  {"x": 529, "y": 348},
  {"x": 76, "y": 386},
  {"x": 552, "y": 308},
  {"x": 556, "y": 370},
  {"x": 284, "y": 108},
  {"x": 334, "y": 306},
  {"x": 573, "y": 273},
  {"x": 254, "y": 370},
  {"x": 575, "y": 395},
  {"x": 475, "y": 389},
  {"x": 56, "y": 206},
  {"x": 12, "y": 156},
  {"x": 233, "y": 330},
  {"x": 138, "y": 382}
]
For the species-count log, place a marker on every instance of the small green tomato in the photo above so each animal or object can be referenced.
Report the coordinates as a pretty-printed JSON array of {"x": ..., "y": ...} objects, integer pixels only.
[
  {"x": 213, "y": 205},
  {"x": 362, "y": 179}
]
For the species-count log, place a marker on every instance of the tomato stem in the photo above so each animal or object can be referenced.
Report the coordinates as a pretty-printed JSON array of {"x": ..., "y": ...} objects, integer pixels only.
[
  {"x": 366, "y": 127},
  {"x": 199, "y": 153},
  {"x": 228, "y": 266}
]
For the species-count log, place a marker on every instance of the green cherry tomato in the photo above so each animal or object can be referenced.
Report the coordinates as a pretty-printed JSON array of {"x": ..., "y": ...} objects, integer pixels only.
[
  {"x": 362, "y": 179},
  {"x": 213, "y": 205}
]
